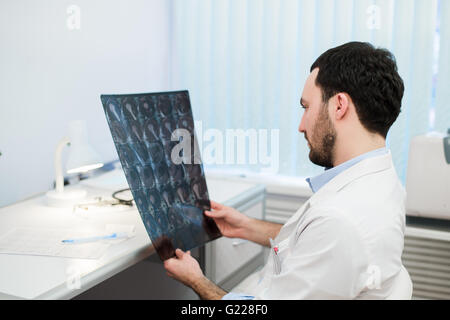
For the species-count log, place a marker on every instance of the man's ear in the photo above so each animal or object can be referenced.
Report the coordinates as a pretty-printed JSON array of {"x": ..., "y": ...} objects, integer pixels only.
[{"x": 342, "y": 105}]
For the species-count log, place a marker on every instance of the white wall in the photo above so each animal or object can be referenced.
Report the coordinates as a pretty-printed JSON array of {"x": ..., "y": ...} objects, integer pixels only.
[{"x": 50, "y": 75}]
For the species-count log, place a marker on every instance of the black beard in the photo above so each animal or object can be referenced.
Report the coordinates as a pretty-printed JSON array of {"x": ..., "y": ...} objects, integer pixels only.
[{"x": 323, "y": 156}]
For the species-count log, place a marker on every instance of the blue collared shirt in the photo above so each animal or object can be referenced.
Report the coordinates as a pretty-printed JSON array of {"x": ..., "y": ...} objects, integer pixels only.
[{"x": 316, "y": 183}]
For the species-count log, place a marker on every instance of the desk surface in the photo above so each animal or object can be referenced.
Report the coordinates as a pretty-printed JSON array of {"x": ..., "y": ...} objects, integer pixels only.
[{"x": 42, "y": 277}]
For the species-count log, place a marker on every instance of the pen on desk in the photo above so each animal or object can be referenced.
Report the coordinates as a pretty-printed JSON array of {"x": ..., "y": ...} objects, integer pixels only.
[{"x": 115, "y": 235}]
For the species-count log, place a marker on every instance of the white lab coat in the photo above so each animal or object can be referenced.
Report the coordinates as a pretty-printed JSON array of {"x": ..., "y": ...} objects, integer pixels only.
[{"x": 345, "y": 242}]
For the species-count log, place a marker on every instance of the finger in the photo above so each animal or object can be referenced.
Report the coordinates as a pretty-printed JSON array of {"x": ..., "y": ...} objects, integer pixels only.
[
  {"x": 215, "y": 214},
  {"x": 167, "y": 263},
  {"x": 189, "y": 252},
  {"x": 169, "y": 274},
  {"x": 179, "y": 253},
  {"x": 216, "y": 205}
]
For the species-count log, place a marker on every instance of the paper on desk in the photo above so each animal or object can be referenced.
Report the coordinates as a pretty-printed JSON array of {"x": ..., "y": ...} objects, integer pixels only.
[{"x": 47, "y": 242}]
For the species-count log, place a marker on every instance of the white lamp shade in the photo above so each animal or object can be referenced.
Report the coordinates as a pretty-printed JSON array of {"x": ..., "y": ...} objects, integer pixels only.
[{"x": 82, "y": 157}]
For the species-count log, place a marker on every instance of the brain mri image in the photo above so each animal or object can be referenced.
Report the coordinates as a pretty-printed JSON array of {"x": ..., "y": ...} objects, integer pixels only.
[{"x": 171, "y": 197}]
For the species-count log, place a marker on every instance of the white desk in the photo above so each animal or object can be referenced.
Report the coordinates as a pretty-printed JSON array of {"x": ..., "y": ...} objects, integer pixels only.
[{"x": 41, "y": 277}]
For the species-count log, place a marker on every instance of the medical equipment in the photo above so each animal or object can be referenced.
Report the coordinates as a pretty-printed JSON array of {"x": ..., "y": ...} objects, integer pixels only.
[{"x": 428, "y": 176}]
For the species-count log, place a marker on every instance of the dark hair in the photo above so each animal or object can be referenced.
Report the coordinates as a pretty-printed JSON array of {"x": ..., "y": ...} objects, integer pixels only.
[{"x": 369, "y": 76}]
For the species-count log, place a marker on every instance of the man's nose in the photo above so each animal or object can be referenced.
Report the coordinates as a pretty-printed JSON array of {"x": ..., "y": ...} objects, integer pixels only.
[{"x": 302, "y": 126}]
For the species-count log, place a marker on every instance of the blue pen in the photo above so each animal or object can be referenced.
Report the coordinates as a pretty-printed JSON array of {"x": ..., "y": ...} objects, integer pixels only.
[{"x": 115, "y": 235}]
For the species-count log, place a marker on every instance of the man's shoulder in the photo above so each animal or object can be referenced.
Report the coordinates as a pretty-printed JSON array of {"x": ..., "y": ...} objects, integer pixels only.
[{"x": 369, "y": 191}]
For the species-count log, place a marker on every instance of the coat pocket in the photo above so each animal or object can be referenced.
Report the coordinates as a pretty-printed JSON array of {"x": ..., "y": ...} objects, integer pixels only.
[
  {"x": 276, "y": 261},
  {"x": 279, "y": 252}
]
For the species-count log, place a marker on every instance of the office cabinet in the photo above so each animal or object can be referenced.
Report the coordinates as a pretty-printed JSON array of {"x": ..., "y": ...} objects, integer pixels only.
[{"x": 229, "y": 261}]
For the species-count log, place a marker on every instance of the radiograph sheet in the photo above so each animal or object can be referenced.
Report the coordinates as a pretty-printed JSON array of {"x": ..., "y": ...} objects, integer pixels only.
[{"x": 170, "y": 197}]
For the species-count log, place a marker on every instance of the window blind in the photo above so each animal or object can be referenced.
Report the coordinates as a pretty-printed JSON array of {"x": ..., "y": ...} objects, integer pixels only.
[{"x": 245, "y": 64}]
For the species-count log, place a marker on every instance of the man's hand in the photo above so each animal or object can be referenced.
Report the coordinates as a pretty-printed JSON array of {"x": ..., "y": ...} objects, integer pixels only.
[
  {"x": 183, "y": 268},
  {"x": 231, "y": 223},
  {"x": 186, "y": 269}
]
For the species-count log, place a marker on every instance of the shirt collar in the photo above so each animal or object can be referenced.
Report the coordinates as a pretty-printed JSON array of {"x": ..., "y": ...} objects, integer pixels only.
[{"x": 317, "y": 182}]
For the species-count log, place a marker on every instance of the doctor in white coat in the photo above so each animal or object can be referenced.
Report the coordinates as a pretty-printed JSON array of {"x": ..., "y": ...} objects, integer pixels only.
[{"x": 346, "y": 241}]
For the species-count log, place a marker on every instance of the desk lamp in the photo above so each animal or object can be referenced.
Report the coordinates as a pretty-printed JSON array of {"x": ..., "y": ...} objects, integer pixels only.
[{"x": 82, "y": 158}]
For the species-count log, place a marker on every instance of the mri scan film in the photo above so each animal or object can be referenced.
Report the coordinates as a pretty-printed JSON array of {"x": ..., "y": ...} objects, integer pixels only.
[{"x": 155, "y": 139}]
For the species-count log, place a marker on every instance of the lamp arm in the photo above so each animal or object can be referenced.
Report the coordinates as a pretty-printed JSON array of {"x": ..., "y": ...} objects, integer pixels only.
[{"x": 59, "y": 177}]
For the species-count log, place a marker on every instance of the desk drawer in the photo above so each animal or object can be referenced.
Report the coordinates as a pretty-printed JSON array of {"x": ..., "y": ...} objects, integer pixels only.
[{"x": 232, "y": 254}]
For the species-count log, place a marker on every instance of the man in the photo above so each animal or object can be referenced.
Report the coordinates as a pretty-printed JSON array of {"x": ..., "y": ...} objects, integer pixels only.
[{"x": 346, "y": 241}]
